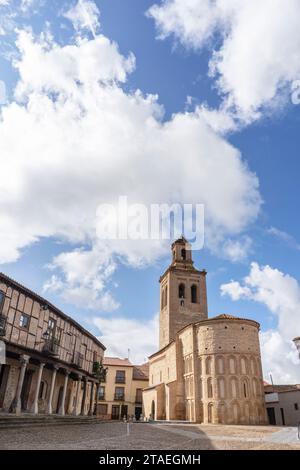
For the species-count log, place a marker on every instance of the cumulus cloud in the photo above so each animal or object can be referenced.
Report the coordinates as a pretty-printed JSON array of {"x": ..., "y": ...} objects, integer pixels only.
[
  {"x": 2, "y": 92},
  {"x": 84, "y": 16},
  {"x": 280, "y": 293},
  {"x": 259, "y": 54},
  {"x": 121, "y": 334},
  {"x": 86, "y": 141}
]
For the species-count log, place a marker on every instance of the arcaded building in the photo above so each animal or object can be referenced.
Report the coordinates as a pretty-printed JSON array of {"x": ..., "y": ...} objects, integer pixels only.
[
  {"x": 51, "y": 361},
  {"x": 207, "y": 370}
]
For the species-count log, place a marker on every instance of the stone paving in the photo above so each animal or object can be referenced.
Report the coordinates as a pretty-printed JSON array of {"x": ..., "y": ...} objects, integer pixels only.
[{"x": 121, "y": 436}]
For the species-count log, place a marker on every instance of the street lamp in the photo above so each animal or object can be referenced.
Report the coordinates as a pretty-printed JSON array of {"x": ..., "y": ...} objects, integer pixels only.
[{"x": 297, "y": 344}]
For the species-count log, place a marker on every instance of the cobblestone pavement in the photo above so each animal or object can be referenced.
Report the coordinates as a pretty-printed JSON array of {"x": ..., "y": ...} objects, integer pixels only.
[{"x": 110, "y": 436}]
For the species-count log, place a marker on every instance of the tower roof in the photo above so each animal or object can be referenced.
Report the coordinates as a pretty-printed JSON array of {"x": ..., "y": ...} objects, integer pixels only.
[{"x": 180, "y": 241}]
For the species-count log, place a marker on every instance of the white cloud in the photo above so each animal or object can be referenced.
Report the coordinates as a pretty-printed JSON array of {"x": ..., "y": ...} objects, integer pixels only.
[
  {"x": 284, "y": 236},
  {"x": 83, "y": 278},
  {"x": 280, "y": 293},
  {"x": 122, "y": 334},
  {"x": 237, "y": 250},
  {"x": 84, "y": 16},
  {"x": 2, "y": 92},
  {"x": 259, "y": 55},
  {"x": 85, "y": 141}
]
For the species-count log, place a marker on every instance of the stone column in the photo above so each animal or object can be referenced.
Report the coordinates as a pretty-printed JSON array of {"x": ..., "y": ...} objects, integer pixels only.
[
  {"x": 96, "y": 398},
  {"x": 91, "y": 408},
  {"x": 35, "y": 406},
  {"x": 16, "y": 405},
  {"x": 84, "y": 396},
  {"x": 77, "y": 395},
  {"x": 52, "y": 387},
  {"x": 61, "y": 410}
]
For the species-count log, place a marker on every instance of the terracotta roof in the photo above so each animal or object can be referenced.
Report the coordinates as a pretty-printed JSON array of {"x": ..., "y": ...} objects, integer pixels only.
[
  {"x": 12, "y": 283},
  {"x": 141, "y": 372},
  {"x": 116, "y": 361}
]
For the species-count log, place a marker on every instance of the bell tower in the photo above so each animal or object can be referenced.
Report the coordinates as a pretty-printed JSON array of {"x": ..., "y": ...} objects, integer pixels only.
[{"x": 183, "y": 298}]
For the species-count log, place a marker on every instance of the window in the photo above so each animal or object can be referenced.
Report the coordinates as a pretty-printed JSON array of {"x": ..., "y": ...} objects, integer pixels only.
[
  {"x": 296, "y": 406},
  {"x": 119, "y": 393},
  {"x": 183, "y": 254},
  {"x": 24, "y": 321},
  {"x": 194, "y": 294},
  {"x": 208, "y": 365},
  {"x": 51, "y": 324},
  {"x": 2, "y": 297},
  {"x": 101, "y": 393},
  {"x": 120, "y": 377},
  {"x": 245, "y": 389},
  {"x": 181, "y": 291}
]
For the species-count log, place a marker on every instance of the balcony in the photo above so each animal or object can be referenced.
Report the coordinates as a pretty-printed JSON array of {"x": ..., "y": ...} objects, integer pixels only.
[
  {"x": 120, "y": 380},
  {"x": 2, "y": 325},
  {"x": 51, "y": 346},
  {"x": 101, "y": 397},
  {"x": 119, "y": 397},
  {"x": 78, "y": 359}
]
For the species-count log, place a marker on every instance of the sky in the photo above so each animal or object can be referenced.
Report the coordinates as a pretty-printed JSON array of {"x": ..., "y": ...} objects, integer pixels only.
[{"x": 172, "y": 101}]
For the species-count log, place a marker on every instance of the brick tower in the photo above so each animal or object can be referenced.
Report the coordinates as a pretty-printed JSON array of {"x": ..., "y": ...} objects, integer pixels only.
[{"x": 183, "y": 298}]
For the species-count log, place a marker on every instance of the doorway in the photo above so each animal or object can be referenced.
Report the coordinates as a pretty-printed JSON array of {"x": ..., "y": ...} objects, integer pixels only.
[
  {"x": 59, "y": 399},
  {"x": 26, "y": 389},
  {"x": 115, "y": 412},
  {"x": 4, "y": 373},
  {"x": 271, "y": 416},
  {"x": 137, "y": 412},
  {"x": 124, "y": 411},
  {"x": 153, "y": 410}
]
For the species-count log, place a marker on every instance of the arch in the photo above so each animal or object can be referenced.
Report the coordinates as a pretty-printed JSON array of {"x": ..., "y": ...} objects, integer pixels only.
[
  {"x": 43, "y": 390},
  {"x": 208, "y": 365},
  {"x": 194, "y": 294},
  {"x": 256, "y": 390},
  {"x": 220, "y": 364},
  {"x": 245, "y": 388},
  {"x": 253, "y": 366},
  {"x": 153, "y": 410},
  {"x": 183, "y": 254},
  {"x": 166, "y": 297},
  {"x": 222, "y": 413},
  {"x": 181, "y": 291},
  {"x": 221, "y": 387},
  {"x": 210, "y": 409},
  {"x": 232, "y": 365},
  {"x": 234, "y": 387},
  {"x": 162, "y": 300},
  {"x": 244, "y": 364},
  {"x": 235, "y": 412},
  {"x": 209, "y": 388}
]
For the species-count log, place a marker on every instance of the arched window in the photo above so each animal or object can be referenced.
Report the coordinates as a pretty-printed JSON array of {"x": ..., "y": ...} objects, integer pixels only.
[
  {"x": 208, "y": 366},
  {"x": 210, "y": 413},
  {"x": 183, "y": 254},
  {"x": 209, "y": 388},
  {"x": 194, "y": 294},
  {"x": 181, "y": 291},
  {"x": 162, "y": 302},
  {"x": 166, "y": 297},
  {"x": 245, "y": 389}
]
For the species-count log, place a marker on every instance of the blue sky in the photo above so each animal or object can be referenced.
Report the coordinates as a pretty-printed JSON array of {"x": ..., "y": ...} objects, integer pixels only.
[{"x": 172, "y": 51}]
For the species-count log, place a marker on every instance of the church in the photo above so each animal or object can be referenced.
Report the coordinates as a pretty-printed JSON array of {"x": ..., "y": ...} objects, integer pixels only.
[{"x": 207, "y": 370}]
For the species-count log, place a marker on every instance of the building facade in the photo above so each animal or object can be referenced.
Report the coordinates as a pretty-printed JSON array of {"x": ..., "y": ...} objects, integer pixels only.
[
  {"x": 283, "y": 404},
  {"x": 121, "y": 396},
  {"x": 50, "y": 359},
  {"x": 207, "y": 370}
]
